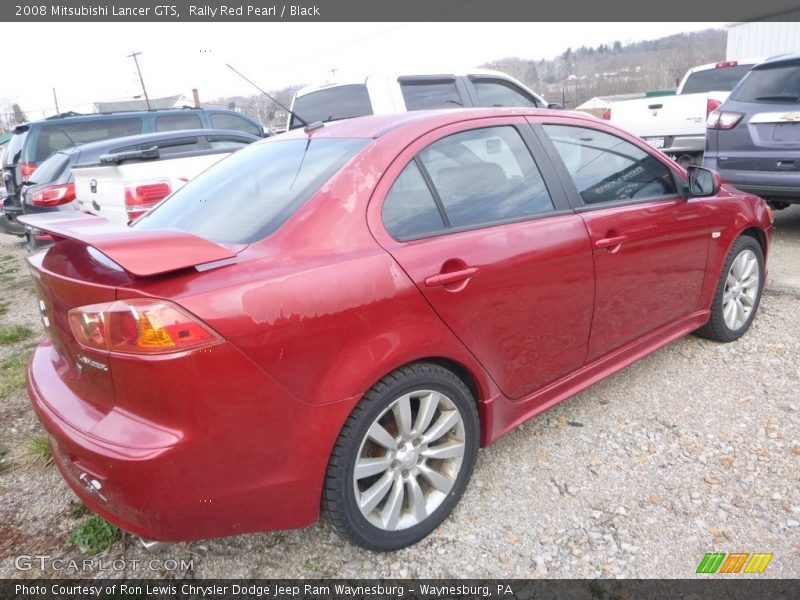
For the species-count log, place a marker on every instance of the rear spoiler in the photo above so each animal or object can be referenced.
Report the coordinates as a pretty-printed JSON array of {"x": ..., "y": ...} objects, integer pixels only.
[{"x": 140, "y": 253}]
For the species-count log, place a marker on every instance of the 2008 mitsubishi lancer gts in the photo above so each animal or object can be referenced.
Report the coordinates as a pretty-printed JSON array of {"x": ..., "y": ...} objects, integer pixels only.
[{"x": 335, "y": 319}]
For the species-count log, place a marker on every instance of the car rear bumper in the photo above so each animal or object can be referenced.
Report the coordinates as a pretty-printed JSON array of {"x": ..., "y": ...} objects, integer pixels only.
[
  {"x": 767, "y": 184},
  {"x": 8, "y": 218},
  {"x": 207, "y": 479}
]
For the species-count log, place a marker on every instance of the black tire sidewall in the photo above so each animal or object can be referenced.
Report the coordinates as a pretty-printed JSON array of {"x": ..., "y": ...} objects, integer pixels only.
[
  {"x": 436, "y": 379},
  {"x": 740, "y": 245}
]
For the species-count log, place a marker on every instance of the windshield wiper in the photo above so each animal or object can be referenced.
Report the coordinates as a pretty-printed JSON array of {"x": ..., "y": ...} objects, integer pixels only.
[{"x": 779, "y": 98}]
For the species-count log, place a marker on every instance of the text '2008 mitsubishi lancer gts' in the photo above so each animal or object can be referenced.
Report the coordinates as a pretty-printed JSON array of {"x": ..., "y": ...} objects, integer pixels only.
[{"x": 334, "y": 320}]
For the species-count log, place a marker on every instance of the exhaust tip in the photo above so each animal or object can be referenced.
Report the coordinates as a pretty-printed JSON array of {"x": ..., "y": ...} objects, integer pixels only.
[{"x": 153, "y": 545}]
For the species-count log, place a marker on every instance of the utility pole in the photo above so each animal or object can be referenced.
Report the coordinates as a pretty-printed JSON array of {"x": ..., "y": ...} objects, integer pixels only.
[{"x": 138, "y": 70}]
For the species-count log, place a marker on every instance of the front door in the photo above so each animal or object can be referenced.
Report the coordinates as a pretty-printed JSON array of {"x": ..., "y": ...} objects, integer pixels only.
[{"x": 650, "y": 243}]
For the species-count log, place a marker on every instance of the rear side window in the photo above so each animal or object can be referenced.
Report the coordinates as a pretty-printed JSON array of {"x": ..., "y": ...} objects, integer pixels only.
[
  {"x": 773, "y": 84},
  {"x": 332, "y": 104},
  {"x": 479, "y": 177},
  {"x": 721, "y": 79},
  {"x": 231, "y": 121},
  {"x": 178, "y": 122},
  {"x": 429, "y": 94},
  {"x": 223, "y": 143},
  {"x": 606, "y": 168},
  {"x": 485, "y": 176},
  {"x": 496, "y": 92},
  {"x": 410, "y": 209},
  {"x": 57, "y": 135},
  {"x": 249, "y": 195}
]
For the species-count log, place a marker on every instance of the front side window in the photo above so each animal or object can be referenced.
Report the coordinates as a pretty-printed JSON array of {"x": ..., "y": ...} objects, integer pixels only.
[
  {"x": 429, "y": 94},
  {"x": 606, "y": 168},
  {"x": 250, "y": 194},
  {"x": 496, "y": 92}
]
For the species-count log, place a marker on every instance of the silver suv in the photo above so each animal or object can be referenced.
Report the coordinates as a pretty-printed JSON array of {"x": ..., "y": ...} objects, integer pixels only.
[{"x": 753, "y": 139}]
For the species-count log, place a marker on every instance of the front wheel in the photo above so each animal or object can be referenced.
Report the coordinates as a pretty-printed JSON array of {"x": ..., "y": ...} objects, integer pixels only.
[
  {"x": 738, "y": 292},
  {"x": 403, "y": 458}
]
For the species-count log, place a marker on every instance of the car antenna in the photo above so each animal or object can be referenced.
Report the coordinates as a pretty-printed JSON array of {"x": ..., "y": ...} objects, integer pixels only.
[{"x": 308, "y": 126}]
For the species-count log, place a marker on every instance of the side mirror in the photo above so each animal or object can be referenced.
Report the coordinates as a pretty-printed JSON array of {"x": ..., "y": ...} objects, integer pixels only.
[
  {"x": 703, "y": 182},
  {"x": 555, "y": 106}
]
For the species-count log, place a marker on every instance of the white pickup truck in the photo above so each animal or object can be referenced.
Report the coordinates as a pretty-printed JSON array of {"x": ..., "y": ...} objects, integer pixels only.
[
  {"x": 125, "y": 185},
  {"x": 676, "y": 124}
]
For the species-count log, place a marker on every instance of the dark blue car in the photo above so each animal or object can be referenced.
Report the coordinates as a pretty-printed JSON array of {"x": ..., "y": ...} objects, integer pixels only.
[{"x": 753, "y": 139}]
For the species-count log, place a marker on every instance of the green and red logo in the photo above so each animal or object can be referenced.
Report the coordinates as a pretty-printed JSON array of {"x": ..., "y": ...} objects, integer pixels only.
[{"x": 735, "y": 562}]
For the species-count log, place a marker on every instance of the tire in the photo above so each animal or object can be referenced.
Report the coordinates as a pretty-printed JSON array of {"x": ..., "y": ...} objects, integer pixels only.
[
  {"x": 409, "y": 476},
  {"x": 778, "y": 204},
  {"x": 738, "y": 292}
]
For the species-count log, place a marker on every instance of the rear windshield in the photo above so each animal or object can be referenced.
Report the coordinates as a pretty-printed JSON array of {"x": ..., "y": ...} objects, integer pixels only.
[
  {"x": 332, "y": 104},
  {"x": 247, "y": 196},
  {"x": 774, "y": 84},
  {"x": 722, "y": 79},
  {"x": 57, "y": 135},
  {"x": 51, "y": 169}
]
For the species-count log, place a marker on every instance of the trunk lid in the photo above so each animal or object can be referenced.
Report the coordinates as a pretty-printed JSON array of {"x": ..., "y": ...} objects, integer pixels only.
[{"x": 89, "y": 262}]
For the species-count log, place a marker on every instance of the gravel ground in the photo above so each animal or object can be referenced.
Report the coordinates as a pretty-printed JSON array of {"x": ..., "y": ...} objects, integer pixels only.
[{"x": 694, "y": 449}]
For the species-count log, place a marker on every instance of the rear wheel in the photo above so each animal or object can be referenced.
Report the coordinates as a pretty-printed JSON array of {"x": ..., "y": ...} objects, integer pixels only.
[
  {"x": 403, "y": 459},
  {"x": 738, "y": 292}
]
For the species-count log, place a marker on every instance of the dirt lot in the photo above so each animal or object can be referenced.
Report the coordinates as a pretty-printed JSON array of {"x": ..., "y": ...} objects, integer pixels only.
[{"x": 692, "y": 450}]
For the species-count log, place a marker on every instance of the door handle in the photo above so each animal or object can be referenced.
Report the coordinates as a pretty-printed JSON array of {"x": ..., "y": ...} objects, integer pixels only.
[
  {"x": 452, "y": 277},
  {"x": 611, "y": 242}
]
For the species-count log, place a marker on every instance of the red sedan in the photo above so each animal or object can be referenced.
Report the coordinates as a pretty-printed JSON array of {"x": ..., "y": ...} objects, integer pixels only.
[{"x": 336, "y": 319}]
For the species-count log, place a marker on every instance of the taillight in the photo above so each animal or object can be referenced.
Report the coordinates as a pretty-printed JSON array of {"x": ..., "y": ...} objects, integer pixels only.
[
  {"x": 139, "y": 326},
  {"x": 712, "y": 105},
  {"x": 726, "y": 63},
  {"x": 723, "y": 120},
  {"x": 54, "y": 195},
  {"x": 141, "y": 198},
  {"x": 607, "y": 114},
  {"x": 27, "y": 169}
]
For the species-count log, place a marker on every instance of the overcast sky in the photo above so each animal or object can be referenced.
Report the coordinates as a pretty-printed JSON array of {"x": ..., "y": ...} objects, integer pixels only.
[{"x": 88, "y": 62}]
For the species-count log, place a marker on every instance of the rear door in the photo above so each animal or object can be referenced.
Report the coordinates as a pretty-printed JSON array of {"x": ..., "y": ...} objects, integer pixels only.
[
  {"x": 488, "y": 238},
  {"x": 650, "y": 243}
]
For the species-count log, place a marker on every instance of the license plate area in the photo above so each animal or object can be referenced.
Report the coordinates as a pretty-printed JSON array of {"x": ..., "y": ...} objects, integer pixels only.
[{"x": 655, "y": 142}]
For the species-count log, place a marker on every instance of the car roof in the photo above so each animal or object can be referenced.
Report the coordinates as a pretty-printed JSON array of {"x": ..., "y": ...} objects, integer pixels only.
[
  {"x": 780, "y": 59},
  {"x": 737, "y": 61},
  {"x": 361, "y": 78},
  {"x": 375, "y": 126},
  {"x": 78, "y": 117}
]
